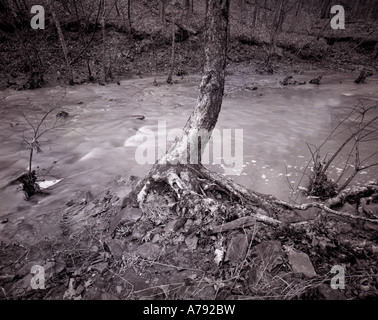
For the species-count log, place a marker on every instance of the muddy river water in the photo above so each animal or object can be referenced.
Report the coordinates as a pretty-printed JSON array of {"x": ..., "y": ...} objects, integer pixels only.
[{"x": 98, "y": 144}]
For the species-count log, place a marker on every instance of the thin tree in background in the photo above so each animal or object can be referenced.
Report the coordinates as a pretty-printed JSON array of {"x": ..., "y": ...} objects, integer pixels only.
[
  {"x": 62, "y": 42},
  {"x": 103, "y": 43},
  {"x": 129, "y": 17},
  {"x": 170, "y": 75},
  {"x": 162, "y": 11},
  {"x": 255, "y": 13},
  {"x": 325, "y": 9},
  {"x": 299, "y": 7}
]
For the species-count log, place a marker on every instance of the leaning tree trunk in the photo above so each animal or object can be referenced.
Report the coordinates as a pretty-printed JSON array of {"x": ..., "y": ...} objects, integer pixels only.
[
  {"x": 325, "y": 9},
  {"x": 255, "y": 14},
  {"x": 185, "y": 153},
  {"x": 205, "y": 115},
  {"x": 299, "y": 7},
  {"x": 62, "y": 42},
  {"x": 191, "y": 190}
]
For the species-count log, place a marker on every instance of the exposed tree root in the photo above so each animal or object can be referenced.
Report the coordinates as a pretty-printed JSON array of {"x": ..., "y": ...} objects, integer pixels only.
[
  {"x": 365, "y": 73},
  {"x": 353, "y": 193},
  {"x": 245, "y": 222},
  {"x": 325, "y": 208},
  {"x": 28, "y": 182},
  {"x": 220, "y": 203}
]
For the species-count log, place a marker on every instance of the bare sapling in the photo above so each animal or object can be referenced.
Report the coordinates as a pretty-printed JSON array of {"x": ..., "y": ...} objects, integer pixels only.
[
  {"x": 41, "y": 129},
  {"x": 359, "y": 126}
]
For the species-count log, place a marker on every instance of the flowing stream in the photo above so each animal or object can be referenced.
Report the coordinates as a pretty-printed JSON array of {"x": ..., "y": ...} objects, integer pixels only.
[{"x": 97, "y": 145}]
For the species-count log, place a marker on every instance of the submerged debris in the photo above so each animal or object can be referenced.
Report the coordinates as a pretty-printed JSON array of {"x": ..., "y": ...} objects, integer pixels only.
[{"x": 290, "y": 81}]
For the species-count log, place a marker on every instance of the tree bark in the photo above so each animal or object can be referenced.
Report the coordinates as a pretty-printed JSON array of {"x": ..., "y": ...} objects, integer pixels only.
[
  {"x": 169, "y": 79},
  {"x": 162, "y": 12},
  {"x": 30, "y": 160},
  {"x": 241, "y": 8},
  {"x": 299, "y": 7},
  {"x": 205, "y": 114},
  {"x": 186, "y": 5},
  {"x": 62, "y": 42},
  {"x": 121, "y": 13},
  {"x": 255, "y": 14},
  {"x": 278, "y": 20},
  {"x": 375, "y": 52},
  {"x": 103, "y": 43},
  {"x": 129, "y": 16},
  {"x": 326, "y": 7}
]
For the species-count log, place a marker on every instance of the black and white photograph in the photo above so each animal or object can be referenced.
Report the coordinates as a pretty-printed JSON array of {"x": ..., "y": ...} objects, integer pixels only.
[{"x": 207, "y": 152}]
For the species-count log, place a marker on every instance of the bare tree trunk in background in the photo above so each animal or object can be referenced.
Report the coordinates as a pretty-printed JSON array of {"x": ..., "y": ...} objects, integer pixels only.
[
  {"x": 186, "y": 5},
  {"x": 162, "y": 12},
  {"x": 129, "y": 16},
  {"x": 90, "y": 77},
  {"x": 103, "y": 80},
  {"x": 255, "y": 14},
  {"x": 355, "y": 10},
  {"x": 62, "y": 42},
  {"x": 117, "y": 9},
  {"x": 299, "y": 7},
  {"x": 126, "y": 21},
  {"x": 241, "y": 8},
  {"x": 30, "y": 161},
  {"x": 371, "y": 9},
  {"x": 375, "y": 52},
  {"x": 278, "y": 20},
  {"x": 192, "y": 6},
  {"x": 281, "y": 14},
  {"x": 326, "y": 9},
  {"x": 265, "y": 10},
  {"x": 169, "y": 79},
  {"x": 205, "y": 114}
]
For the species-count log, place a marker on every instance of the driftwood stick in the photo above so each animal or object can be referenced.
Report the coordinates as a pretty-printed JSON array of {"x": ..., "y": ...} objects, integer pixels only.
[
  {"x": 352, "y": 192},
  {"x": 245, "y": 222},
  {"x": 323, "y": 207}
]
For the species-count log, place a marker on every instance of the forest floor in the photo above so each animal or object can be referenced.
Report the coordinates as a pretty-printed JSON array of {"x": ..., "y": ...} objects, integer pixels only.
[
  {"x": 307, "y": 43},
  {"x": 141, "y": 256},
  {"x": 106, "y": 252},
  {"x": 144, "y": 258}
]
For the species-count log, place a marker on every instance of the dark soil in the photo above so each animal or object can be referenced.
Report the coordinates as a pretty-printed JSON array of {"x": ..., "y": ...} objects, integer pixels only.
[
  {"x": 144, "y": 258},
  {"x": 155, "y": 254}
]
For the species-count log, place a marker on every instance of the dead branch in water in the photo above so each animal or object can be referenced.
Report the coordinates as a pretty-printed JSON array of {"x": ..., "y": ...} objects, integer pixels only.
[{"x": 361, "y": 124}]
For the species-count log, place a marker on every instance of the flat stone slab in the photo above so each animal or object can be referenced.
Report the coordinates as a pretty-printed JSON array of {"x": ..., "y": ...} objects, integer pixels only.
[
  {"x": 301, "y": 263},
  {"x": 270, "y": 254},
  {"x": 237, "y": 248},
  {"x": 174, "y": 225},
  {"x": 149, "y": 251}
]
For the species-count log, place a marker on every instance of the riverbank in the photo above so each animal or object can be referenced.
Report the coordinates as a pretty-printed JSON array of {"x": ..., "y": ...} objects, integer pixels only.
[
  {"x": 305, "y": 43},
  {"x": 69, "y": 231},
  {"x": 88, "y": 240}
]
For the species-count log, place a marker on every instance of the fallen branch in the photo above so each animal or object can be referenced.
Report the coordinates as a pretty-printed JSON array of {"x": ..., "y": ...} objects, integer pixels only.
[
  {"x": 351, "y": 192},
  {"x": 260, "y": 200},
  {"x": 245, "y": 222},
  {"x": 323, "y": 207}
]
